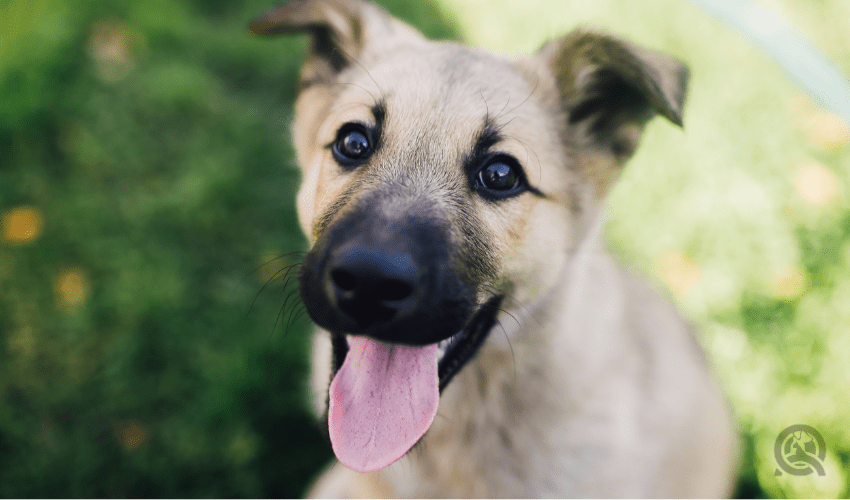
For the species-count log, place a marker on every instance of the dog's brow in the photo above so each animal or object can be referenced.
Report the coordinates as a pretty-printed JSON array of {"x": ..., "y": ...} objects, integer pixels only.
[
  {"x": 379, "y": 111},
  {"x": 488, "y": 137}
]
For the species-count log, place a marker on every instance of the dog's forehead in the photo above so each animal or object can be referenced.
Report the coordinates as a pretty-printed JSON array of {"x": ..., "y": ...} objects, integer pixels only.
[{"x": 446, "y": 84}]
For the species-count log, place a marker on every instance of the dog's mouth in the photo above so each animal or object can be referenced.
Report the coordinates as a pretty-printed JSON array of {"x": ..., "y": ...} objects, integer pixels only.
[{"x": 383, "y": 397}]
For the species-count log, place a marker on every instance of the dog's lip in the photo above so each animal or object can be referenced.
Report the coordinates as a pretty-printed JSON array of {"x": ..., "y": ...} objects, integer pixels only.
[
  {"x": 454, "y": 352},
  {"x": 461, "y": 348}
]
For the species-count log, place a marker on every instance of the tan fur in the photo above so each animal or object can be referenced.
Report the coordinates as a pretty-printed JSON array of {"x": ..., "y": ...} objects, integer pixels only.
[{"x": 591, "y": 384}]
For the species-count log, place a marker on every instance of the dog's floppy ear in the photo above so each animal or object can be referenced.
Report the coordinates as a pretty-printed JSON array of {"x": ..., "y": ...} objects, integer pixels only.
[
  {"x": 341, "y": 31},
  {"x": 609, "y": 89}
]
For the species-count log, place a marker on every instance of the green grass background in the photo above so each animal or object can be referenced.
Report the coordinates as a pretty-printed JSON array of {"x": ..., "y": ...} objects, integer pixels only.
[{"x": 150, "y": 140}]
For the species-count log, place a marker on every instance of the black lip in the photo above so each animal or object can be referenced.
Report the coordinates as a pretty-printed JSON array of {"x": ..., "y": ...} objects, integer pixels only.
[
  {"x": 465, "y": 344},
  {"x": 461, "y": 348}
]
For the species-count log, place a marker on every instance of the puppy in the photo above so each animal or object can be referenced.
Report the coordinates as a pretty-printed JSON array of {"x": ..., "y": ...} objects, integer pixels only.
[{"x": 475, "y": 338}]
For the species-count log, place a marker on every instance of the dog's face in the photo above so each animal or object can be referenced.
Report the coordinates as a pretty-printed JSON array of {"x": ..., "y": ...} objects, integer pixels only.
[
  {"x": 440, "y": 184},
  {"x": 430, "y": 184}
]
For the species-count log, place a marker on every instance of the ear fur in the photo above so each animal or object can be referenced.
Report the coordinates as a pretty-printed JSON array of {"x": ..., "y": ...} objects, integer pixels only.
[
  {"x": 340, "y": 31},
  {"x": 610, "y": 88}
]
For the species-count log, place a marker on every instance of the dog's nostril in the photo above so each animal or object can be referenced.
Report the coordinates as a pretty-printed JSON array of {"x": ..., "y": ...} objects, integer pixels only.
[
  {"x": 372, "y": 285},
  {"x": 393, "y": 290},
  {"x": 344, "y": 280}
]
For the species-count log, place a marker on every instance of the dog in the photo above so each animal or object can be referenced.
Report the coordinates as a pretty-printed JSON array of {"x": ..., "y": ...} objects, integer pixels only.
[{"x": 475, "y": 337}]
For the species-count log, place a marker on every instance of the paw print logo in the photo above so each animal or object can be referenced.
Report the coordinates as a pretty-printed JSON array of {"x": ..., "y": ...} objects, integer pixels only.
[{"x": 800, "y": 451}]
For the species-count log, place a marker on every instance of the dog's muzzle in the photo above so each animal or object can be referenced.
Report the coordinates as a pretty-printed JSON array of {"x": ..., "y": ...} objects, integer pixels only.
[
  {"x": 403, "y": 320},
  {"x": 392, "y": 280}
]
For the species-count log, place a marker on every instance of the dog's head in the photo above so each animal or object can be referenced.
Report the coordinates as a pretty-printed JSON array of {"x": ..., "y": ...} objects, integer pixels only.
[{"x": 437, "y": 181}]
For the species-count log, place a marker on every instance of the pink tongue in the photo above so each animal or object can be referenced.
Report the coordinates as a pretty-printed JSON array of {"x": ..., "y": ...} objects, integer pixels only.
[{"x": 382, "y": 401}]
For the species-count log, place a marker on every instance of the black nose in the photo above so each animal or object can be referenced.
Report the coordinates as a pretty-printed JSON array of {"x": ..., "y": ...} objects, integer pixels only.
[{"x": 372, "y": 285}]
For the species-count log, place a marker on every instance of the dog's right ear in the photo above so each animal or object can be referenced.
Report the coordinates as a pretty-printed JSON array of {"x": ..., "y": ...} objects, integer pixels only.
[{"x": 341, "y": 31}]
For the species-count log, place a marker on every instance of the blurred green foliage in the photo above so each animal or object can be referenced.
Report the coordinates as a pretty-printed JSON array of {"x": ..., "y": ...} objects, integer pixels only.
[
  {"x": 149, "y": 336},
  {"x": 146, "y": 194}
]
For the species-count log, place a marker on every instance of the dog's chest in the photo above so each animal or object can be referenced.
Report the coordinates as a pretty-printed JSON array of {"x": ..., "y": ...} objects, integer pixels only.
[{"x": 493, "y": 436}]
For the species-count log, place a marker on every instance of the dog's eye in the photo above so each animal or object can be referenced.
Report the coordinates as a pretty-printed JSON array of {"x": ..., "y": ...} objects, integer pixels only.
[
  {"x": 352, "y": 145},
  {"x": 499, "y": 176}
]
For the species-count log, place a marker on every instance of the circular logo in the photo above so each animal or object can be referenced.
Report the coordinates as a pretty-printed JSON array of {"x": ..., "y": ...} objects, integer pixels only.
[{"x": 800, "y": 451}]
